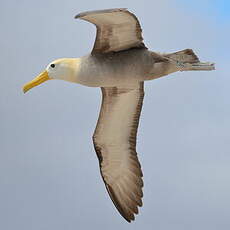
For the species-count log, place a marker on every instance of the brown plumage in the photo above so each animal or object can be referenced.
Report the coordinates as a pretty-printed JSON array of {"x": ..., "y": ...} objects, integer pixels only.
[
  {"x": 116, "y": 151},
  {"x": 119, "y": 51},
  {"x": 119, "y": 63},
  {"x": 117, "y": 29}
]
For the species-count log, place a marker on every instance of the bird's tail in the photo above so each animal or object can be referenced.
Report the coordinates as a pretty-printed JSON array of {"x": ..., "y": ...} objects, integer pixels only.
[{"x": 187, "y": 60}]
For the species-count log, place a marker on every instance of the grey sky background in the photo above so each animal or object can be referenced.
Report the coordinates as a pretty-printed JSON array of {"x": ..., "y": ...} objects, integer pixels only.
[{"x": 49, "y": 175}]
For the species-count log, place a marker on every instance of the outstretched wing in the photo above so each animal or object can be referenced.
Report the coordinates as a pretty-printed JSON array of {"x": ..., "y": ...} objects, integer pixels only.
[
  {"x": 115, "y": 145},
  {"x": 117, "y": 29}
]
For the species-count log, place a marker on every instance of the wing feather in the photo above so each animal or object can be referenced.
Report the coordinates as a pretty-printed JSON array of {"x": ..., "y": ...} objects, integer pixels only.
[
  {"x": 117, "y": 29},
  {"x": 115, "y": 144}
]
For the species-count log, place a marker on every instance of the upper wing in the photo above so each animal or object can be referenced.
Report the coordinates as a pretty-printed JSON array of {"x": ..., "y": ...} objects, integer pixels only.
[
  {"x": 115, "y": 145},
  {"x": 117, "y": 29}
]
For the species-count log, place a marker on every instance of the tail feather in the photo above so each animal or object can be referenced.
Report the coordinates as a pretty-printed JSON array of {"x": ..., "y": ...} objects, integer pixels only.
[
  {"x": 187, "y": 60},
  {"x": 184, "y": 56}
]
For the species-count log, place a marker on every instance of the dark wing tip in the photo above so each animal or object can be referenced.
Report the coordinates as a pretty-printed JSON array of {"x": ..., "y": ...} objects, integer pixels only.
[
  {"x": 99, "y": 12},
  {"x": 128, "y": 216}
]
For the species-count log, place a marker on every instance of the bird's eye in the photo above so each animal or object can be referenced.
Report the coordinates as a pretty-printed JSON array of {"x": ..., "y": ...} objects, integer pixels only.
[{"x": 52, "y": 65}]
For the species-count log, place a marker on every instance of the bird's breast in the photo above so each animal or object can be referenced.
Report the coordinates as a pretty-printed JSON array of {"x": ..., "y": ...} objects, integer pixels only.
[{"x": 121, "y": 69}]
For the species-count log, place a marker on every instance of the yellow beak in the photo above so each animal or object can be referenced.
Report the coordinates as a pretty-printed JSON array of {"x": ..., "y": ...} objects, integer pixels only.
[{"x": 36, "y": 81}]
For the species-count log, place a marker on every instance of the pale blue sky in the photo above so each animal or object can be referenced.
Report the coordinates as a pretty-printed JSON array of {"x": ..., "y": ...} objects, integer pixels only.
[
  {"x": 49, "y": 176},
  {"x": 219, "y": 7}
]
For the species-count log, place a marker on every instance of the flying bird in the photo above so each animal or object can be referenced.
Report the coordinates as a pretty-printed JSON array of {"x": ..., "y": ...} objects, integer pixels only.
[{"x": 119, "y": 63}]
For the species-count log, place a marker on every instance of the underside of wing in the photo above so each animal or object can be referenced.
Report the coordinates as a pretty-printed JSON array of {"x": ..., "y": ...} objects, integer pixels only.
[
  {"x": 117, "y": 29},
  {"x": 115, "y": 145}
]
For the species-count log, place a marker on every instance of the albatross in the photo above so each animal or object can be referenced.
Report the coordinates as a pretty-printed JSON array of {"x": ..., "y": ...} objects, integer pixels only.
[{"x": 119, "y": 63}]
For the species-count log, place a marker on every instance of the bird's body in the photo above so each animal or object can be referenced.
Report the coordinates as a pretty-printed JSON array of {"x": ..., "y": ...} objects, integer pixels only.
[
  {"x": 122, "y": 68},
  {"x": 119, "y": 63}
]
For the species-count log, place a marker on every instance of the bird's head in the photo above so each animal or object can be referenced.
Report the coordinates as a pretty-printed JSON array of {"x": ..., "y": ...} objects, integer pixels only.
[{"x": 62, "y": 69}]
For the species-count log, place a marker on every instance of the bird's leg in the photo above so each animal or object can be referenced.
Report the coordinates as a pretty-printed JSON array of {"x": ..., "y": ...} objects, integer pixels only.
[{"x": 195, "y": 66}]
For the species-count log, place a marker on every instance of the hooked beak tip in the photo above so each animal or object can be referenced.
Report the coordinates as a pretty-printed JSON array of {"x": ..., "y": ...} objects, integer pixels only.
[{"x": 37, "y": 81}]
